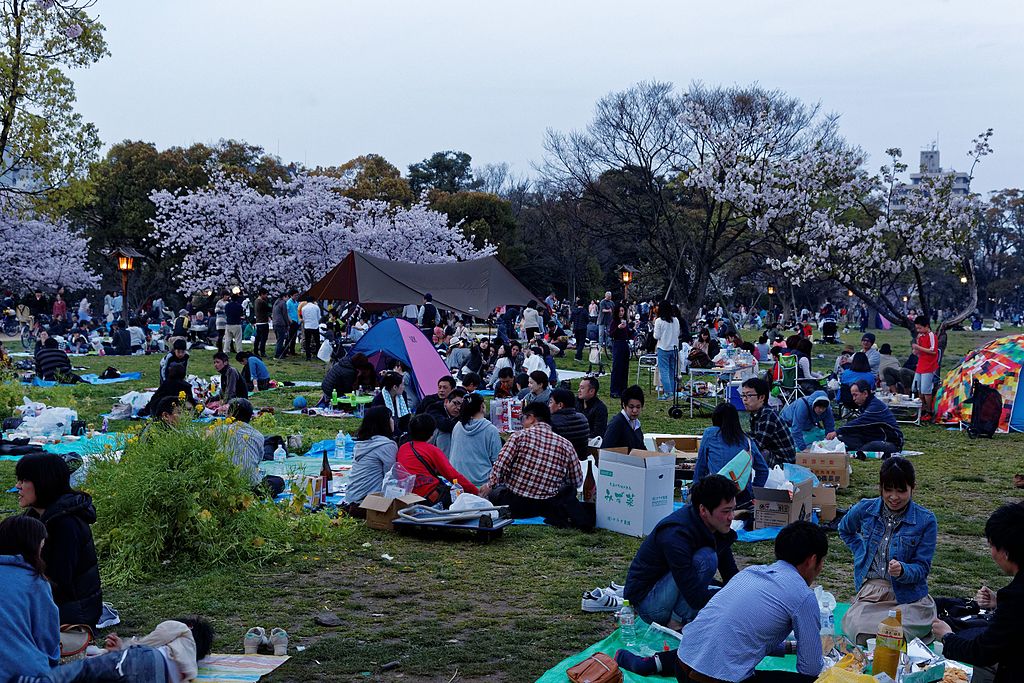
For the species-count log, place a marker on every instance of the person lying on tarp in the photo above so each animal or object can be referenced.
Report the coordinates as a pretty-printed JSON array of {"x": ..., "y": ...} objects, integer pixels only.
[
  {"x": 875, "y": 429},
  {"x": 672, "y": 576},
  {"x": 750, "y": 618}
]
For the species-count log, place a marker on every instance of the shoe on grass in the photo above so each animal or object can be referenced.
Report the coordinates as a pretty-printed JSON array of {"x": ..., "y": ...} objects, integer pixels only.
[
  {"x": 279, "y": 639},
  {"x": 598, "y": 600},
  {"x": 254, "y": 637},
  {"x": 615, "y": 589}
]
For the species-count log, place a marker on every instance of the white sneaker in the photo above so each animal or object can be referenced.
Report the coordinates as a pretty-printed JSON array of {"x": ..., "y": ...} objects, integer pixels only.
[
  {"x": 598, "y": 600},
  {"x": 614, "y": 589}
]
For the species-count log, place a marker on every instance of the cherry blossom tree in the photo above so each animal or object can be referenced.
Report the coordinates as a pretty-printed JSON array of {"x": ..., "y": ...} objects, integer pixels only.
[
  {"x": 229, "y": 233},
  {"x": 39, "y": 254}
]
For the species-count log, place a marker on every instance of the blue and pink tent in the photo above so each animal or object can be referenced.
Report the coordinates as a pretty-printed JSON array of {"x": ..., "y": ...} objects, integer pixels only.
[{"x": 397, "y": 339}]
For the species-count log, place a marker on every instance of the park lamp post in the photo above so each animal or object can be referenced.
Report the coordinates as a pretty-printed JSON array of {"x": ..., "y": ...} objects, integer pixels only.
[
  {"x": 626, "y": 274},
  {"x": 963, "y": 279},
  {"x": 771, "y": 311},
  {"x": 125, "y": 257}
]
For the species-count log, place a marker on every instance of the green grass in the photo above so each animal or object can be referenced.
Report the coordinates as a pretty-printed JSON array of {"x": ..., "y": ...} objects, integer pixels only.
[{"x": 508, "y": 610}]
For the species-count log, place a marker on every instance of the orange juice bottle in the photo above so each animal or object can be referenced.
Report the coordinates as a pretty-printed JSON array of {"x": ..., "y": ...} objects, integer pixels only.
[{"x": 889, "y": 644}]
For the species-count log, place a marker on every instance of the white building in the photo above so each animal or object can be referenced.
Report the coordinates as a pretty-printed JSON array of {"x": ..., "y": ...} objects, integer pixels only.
[{"x": 930, "y": 168}]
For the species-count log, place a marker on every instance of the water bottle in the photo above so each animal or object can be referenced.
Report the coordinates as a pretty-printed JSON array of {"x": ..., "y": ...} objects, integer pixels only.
[
  {"x": 279, "y": 454},
  {"x": 627, "y": 624},
  {"x": 350, "y": 446},
  {"x": 339, "y": 444},
  {"x": 106, "y": 425},
  {"x": 457, "y": 490}
]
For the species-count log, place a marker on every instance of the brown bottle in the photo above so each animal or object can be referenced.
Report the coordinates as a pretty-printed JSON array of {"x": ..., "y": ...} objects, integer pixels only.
[
  {"x": 326, "y": 477},
  {"x": 589, "y": 484}
]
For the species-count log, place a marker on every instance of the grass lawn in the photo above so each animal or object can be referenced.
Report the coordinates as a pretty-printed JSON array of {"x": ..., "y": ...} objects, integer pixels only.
[{"x": 508, "y": 610}]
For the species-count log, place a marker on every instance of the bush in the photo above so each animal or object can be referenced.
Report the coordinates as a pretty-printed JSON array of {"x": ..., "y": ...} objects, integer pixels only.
[
  {"x": 10, "y": 394},
  {"x": 175, "y": 497}
]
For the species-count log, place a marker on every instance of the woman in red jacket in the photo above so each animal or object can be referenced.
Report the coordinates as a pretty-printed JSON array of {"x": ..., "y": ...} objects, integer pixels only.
[{"x": 426, "y": 461}]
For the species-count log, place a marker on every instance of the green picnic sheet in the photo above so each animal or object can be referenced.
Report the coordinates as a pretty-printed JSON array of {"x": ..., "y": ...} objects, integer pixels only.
[{"x": 613, "y": 642}]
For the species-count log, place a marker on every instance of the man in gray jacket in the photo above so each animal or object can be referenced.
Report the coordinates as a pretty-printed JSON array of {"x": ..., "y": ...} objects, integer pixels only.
[{"x": 279, "y": 319}]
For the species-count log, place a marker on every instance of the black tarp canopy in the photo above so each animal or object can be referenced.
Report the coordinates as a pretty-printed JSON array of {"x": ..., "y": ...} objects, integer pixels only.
[{"x": 474, "y": 287}]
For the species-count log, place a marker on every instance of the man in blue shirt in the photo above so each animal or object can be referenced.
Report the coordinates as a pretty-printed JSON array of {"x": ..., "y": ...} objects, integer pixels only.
[
  {"x": 671, "y": 577},
  {"x": 750, "y": 618},
  {"x": 293, "y": 321}
]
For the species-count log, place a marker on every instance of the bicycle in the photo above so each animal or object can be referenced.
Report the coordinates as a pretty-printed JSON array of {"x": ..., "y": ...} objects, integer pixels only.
[{"x": 30, "y": 331}]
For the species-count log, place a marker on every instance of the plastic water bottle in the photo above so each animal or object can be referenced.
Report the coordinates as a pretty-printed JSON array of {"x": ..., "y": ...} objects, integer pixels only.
[
  {"x": 339, "y": 444},
  {"x": 350, "y": 446},
  {"x": 280, "y": 454},
  {"x": 457, "y": 490},
  {"x": 627, "y": 624}
]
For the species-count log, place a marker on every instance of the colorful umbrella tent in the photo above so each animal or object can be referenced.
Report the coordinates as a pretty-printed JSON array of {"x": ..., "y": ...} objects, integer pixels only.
[
  {"x": 396, "y": 339},
  {"x": 996, "y": 364}
]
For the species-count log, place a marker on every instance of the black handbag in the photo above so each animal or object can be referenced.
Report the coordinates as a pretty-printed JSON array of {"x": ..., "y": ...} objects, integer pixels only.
[
  {"x": 962, "y": 614},
  {"x": 441, "y": 493}
]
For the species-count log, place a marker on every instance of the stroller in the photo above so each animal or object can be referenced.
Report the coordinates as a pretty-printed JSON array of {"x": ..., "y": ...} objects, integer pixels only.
[
  {"x": 987, "y": 408},
  {"x": 829, "y": 330}
]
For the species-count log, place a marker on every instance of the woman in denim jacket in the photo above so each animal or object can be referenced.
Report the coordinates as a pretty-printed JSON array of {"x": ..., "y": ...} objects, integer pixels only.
[{"x": 893, "y": 541}]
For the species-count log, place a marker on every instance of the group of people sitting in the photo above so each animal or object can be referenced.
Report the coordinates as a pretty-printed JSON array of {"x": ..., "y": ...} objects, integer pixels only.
[
  {"x": 684, "y": 576},
  {"x": 49, "y": 569}
]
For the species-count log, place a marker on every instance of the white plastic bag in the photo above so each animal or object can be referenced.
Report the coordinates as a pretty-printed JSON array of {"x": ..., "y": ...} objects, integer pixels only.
[
  {"x": 325, "y": 351},
  {"x": 468, "y": 501},
  {"x": 828, "y": 446},
  {"x": 397, "y": 482},
  {"x": 777, "y": 479},
  {"x": 50, "y": 422}
]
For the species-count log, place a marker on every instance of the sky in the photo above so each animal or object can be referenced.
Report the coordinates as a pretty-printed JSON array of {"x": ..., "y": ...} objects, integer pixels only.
[{"x": 322, "y": 81}]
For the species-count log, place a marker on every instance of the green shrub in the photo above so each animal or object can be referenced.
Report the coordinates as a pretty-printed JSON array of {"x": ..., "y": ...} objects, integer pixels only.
[
  {"x": 10, "y": 394},
  {"x": 175, "y": 497}
]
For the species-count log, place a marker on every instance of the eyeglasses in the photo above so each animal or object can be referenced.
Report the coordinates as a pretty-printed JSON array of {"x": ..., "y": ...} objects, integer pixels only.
[{"x": 748, "y": 395}]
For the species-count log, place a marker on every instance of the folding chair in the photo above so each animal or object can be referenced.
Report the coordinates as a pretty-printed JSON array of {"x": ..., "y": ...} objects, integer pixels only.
[
  {"x": 785, "y": 378},
  {"x": 648, "y": 362}
]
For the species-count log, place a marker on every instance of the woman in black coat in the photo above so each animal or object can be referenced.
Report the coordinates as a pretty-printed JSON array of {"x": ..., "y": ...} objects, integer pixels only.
[{"x": 44, "y": 489}]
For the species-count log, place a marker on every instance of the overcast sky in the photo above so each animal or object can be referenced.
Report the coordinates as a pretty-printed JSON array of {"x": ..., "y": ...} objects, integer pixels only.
[{"x": 322, "y": 81}]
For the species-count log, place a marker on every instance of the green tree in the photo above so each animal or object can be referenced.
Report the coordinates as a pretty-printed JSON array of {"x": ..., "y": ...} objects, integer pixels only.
[
  {"x": 373, "y": 178},
  {"x": 449, "y": 171},
  {"x": 260, "y": 170},
  {"x": 43, "y": 141},
  {"x": 112, "y": 205},
  {"x": 486, "y": 218}
]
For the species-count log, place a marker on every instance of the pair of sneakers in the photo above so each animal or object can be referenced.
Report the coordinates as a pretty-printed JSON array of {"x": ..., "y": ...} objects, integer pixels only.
[
  {"x": 257, "y": 637},
  {"x": 607, "y": 599}
]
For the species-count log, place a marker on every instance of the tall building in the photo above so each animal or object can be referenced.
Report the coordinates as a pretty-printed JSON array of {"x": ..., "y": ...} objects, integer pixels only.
[{"x": 931, "y": 168}]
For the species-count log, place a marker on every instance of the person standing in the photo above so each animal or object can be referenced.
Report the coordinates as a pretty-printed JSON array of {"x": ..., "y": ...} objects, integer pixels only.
[
  {"x": 220, "y": 319},
  {"x": 666, "y": 335},
  {"x": 279, "y": 317},
  {"x": 293, "y": 321},
  {"x": 620, "y": 330},
  {"x": 311, "y": 329},
  {"x": 261, "y": 310},
  {"x": 580, "y": 320},
  {"x": 428, "y": 316},
  {"x": 604, "y": 319},
  {"x": 927, "y": 349},
  {"x": 60, "y": 308},
  {"x": 233, "y": 314}
]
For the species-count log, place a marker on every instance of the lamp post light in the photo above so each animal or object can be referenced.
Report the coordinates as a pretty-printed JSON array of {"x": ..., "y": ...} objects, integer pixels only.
[
  {"x": 627, "y": 277},
  {"x": 963, "y": 279},
  {"x": 125, "y": 257},
  {"x": 236, "y": 290}
]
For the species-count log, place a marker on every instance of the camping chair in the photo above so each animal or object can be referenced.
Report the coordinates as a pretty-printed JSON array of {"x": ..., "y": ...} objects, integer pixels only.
[
  {"x": 785, "y": 378},
  {"x": 847, "y": 407},
  {"x": 648, "y": 362}
]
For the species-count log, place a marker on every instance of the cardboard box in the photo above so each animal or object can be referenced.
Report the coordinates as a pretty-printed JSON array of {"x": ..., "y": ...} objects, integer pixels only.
[
  {"x": 381, "y": 511},
  {"x": 689, "y": 443},
  {"x": 824, "y": 498},
  {"x": 777, "y": 507},
  {"x": 634, "y": 490},
  {"x": 830, "y": 468}
]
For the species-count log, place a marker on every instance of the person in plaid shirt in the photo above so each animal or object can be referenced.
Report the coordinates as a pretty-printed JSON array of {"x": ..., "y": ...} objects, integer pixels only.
[
  {"x": 537, "y": 472},
  {"x": 767, "y": 428}
]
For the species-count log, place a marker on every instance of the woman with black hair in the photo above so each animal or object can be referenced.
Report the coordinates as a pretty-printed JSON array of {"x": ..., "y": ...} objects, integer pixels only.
[
  {"x": 28, "y": 617},
  {"x": 392, "y": 397},
  {"x": 620, "y": 329},
  {"x": 859, "y": 369},
  {"x": 475, "y": 441},
  {"x": 373, "y": 456},
  {"x": 666, "y": 335},
  {"x": 44, "y": 489},
  {"x": 721, "y": 443},
  {"x": 893, "y": 541}
]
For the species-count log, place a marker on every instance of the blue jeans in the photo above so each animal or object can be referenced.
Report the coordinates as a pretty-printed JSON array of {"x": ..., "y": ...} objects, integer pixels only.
[
  {"x": 137, "y": 663},
  {"x": 668, "y": 362},
  {"x": 664, "y": 601}
]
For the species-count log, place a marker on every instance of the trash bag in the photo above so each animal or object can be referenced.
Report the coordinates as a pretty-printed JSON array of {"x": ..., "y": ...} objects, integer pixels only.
[
  {"x": 397, "y": 482},
  {"x": 468, "y": 501},
  {"x": 325, "y": 351}
]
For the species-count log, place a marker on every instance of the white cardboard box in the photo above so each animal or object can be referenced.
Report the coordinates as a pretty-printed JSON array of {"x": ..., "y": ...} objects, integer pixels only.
[{"x": 634, "y": 490}]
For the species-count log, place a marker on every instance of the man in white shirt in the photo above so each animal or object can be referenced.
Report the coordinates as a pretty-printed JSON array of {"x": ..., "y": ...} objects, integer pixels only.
[{"x": 310, "y": 314}]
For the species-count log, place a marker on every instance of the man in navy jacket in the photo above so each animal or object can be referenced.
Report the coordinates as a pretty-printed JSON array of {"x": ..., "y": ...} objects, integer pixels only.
[{"x": 671, "y": 577}]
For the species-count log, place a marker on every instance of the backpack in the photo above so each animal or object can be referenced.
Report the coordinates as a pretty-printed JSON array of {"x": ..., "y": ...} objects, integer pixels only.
[{"x": 986, "y": 410}]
